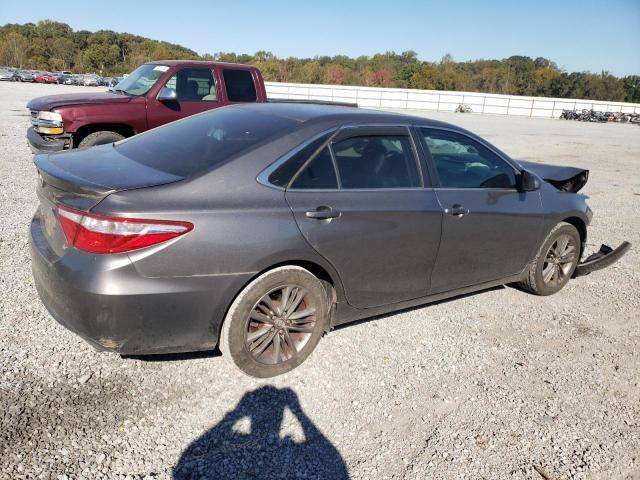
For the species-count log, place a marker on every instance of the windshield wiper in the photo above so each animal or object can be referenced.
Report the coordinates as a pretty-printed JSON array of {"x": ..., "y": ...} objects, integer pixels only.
[{"x": 122, "y": 92}]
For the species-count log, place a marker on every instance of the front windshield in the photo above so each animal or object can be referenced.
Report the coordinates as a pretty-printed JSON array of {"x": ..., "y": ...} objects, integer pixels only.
[{"x": 140, "y": 81}]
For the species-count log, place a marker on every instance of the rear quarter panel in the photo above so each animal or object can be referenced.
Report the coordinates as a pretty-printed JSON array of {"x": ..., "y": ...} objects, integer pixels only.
[{"x": 240, "y": 225}]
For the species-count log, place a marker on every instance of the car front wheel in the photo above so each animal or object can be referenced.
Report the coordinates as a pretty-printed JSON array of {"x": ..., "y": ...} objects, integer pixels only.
[
  {"x": 275, "y": 322},
  {"x": 100, "y": 138},
  {"x": 555, "y": 262}
]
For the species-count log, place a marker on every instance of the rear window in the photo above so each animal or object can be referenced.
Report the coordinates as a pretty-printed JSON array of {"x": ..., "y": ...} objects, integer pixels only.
[
  {"x": 199, "y": 143},
  {"x": 240, "y": 86}
]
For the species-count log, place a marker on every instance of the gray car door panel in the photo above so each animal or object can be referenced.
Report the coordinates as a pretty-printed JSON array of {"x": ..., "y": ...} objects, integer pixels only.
[
  {"x": 494, "y": 236},
  {"x": 378, "y": 226},
  {"x": 383, "y": 243},
  {"x": 490, "y": 230}
]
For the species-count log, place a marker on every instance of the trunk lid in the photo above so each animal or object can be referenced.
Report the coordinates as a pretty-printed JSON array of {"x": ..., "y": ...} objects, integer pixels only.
[{"x": 83, "y": 178}]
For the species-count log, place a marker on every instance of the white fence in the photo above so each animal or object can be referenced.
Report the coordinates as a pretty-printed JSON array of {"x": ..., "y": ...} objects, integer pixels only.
[{"x": 442, "y": 101}]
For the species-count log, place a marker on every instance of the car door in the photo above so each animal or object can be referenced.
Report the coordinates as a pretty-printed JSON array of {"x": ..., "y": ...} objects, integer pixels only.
[
  {"x": 361, "y": 203},
  {"x": 490, "y": 230},
  {"x": 196, "y": 91}
]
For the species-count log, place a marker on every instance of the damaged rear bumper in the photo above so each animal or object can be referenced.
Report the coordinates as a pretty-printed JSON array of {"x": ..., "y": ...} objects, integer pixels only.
[{"x": 603, "y": 258}]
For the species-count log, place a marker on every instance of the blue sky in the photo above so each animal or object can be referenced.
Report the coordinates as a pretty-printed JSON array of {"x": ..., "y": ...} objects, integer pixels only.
[{"x": 578, "y": 35}]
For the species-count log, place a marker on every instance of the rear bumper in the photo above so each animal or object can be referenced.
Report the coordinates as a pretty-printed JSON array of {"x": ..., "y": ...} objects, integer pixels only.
[
  {"x": 604, "y": 258},
  {"x": 40, "y": 144},
  {"x": 107, "y": 302}
]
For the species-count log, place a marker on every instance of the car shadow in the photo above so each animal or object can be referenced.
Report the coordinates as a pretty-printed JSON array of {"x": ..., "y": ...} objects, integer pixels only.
[{"x": 247, "y": 444}]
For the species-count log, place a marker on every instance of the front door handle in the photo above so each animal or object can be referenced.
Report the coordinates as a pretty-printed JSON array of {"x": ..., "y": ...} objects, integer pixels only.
[
  {"x": 322, "y": 213},
  {"x": 457, "y": 210}
]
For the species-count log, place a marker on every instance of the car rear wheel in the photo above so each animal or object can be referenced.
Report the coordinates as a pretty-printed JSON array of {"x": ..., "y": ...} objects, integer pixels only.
[
  {"x": 555, "y": 262},
  {"x": 275, "y": 322},
  {"x": 100, "y": 138}
]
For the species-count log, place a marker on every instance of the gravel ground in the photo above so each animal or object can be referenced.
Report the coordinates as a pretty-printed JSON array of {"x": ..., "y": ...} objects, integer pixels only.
[{"x": 496, "y": 385}]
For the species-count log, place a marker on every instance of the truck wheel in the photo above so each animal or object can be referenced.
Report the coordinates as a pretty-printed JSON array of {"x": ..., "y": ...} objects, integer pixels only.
[
  {"x": 275, "y": 322},
  {"x": 555, "y": 262},
  {"x": 100, "y": 138}
]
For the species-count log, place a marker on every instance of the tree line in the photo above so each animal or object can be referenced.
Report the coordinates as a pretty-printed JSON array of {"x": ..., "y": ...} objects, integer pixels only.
[{"x": 51, "y": 45}]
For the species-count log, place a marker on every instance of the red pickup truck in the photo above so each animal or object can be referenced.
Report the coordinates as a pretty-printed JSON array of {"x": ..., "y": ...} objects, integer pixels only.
[{"x": 154, "y": 94}]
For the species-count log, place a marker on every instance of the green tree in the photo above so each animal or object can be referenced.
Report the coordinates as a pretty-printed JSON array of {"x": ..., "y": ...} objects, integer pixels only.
[{"x": 15, "y": 46}]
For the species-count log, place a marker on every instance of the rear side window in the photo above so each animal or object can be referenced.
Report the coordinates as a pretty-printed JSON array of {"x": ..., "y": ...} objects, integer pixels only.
[
  {"x": 376, "y": 161},
  {"x": 240, "y": 86},
  {"x": 318, "y": 174},
  {"x": 196, "y": 144},
  {"x": 283, "y": 174}
]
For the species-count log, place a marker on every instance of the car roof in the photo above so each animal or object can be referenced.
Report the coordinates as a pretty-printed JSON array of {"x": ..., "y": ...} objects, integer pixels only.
[
  {"x": 172, "y": 63},
  {"x": 337, "y": 114}
]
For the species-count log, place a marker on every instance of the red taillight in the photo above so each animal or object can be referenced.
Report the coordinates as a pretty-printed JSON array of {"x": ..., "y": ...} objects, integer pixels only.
[{"x": 103, "y": 234}]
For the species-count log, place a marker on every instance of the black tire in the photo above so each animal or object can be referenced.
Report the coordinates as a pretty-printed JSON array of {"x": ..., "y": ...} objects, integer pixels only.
[
  {"x": 260, "y": 339},
  {"x": 554, "y": 263},
  {"x": 100, "y": 138}
]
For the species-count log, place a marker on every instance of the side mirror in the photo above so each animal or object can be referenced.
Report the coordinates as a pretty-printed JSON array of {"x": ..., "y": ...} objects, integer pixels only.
[
  {"x": 528, "y": 182},
  {"x": 167, "y": 95}
]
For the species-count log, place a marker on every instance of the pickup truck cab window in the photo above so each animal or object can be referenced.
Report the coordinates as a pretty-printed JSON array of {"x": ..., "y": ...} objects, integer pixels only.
[
  {"x": 239, "y": 84},
  {"x": 462, "y": 162},
  {"x": 193, "y": 85},
  {"x": 141, "y": 80}
]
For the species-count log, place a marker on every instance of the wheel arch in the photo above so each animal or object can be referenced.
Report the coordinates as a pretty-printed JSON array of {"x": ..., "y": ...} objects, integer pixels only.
[
  {"x": 85, "y": 130},
  {"x": 327, "y": 276},
  {"x": 581, "y": 226}
]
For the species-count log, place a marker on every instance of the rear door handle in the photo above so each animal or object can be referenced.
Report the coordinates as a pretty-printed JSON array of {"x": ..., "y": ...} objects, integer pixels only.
[
  {"x": 457, "y": 210},
  {"x": 322, "y": 213}
]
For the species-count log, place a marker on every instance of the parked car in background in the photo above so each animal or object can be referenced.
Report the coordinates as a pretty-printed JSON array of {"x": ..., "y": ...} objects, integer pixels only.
[
  {"x": 74, "y": 79},
  {"x": 22, "y": 76},
  {"x": 337, "y": 214},
  {"x": 45, "y": 77},
  {"x": 6, "y": 75},
  {"x": 154, "y": 94},
  {"x": 91, "y": 80},
  {"x": 60, "y": 76},
  {"x": 114, "y": 81},
  {"x": 105, "y": 81}
]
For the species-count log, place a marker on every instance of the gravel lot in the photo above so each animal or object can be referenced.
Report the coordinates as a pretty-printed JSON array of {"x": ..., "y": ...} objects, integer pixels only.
[{"x": 496, "y": 385}]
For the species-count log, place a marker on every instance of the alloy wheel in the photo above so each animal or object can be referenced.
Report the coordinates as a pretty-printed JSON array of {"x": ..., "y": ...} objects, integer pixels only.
[
  {"x": 559, "y": 260},
  {"x": 280, "y": 324}
]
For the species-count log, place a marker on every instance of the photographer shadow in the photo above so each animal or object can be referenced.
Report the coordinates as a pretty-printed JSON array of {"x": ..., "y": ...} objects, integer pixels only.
[{"x": 246, "y": 444}]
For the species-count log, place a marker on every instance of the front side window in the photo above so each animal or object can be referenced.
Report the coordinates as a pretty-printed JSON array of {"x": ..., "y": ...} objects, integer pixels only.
[
  {"x": 194, "y": 85},
  {"x": 462, "y": 162},
  {"x": 141, "y": 80},
  {"x": 240, "y": 86},
  {"x": 376, "y": 161}
]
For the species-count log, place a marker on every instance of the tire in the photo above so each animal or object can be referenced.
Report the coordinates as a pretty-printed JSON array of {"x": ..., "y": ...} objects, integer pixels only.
[
  {"x": 100, "y": 138},
  {"x": 554, "y": 263},
  {"x": 280, "y": 343}
]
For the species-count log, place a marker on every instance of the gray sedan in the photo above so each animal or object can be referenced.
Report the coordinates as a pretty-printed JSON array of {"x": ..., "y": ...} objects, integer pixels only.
[{"x": 257, "y": 228}]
